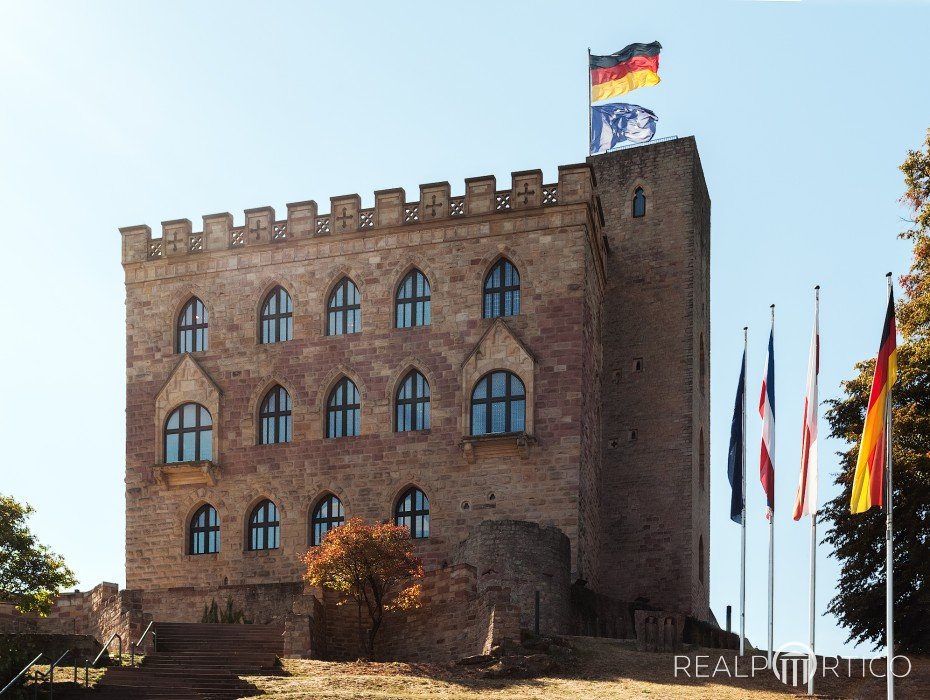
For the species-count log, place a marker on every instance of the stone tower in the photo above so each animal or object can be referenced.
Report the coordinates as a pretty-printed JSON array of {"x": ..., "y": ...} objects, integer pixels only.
[{"x": 655, "y": 485}]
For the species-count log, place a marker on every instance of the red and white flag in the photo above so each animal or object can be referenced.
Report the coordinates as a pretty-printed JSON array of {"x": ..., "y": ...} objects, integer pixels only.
[
  {"x": 806, "y": 501},
  {"x": 767, "y": 411}
]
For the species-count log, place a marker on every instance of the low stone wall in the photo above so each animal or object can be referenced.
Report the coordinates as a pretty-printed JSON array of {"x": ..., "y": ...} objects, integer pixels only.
[
  {"x": 97, "y": 613},
  {"x": 261, "y": 603},
  {"x": 79, "y": 646},
  {"x": 455, "y": 620}
]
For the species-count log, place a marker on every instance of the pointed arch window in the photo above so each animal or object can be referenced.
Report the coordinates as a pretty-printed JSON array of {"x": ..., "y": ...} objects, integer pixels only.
[
  {"x": 189, "y": 434},
  {"x": 412, "y": 403},
  {"x": 412, "y": 511},
  {"x": 343, "y": 410},
  {"x": 264, "y": 527},
  {"x": 412, "y": 306},
  {"x": 205, "y": 531},
  {"x": 192, "y": 327},
  {"x": 344, "y": 309},
  {"x": 275, "y": 417},
  {"x": 639, "y": 203},
  {"x": 498, "y": 404},
  {"x": 502, "y": 290},
  {"x": 277, "y": 319},
  {"x": 327, "y": 515}
]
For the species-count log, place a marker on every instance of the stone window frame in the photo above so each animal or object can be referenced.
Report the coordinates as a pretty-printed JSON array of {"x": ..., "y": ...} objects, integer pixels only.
[
  {"x": 260, "y": 416},
  {"x": 251, "y": 423},
  {"x": 488, "y": 400},
  {"x": 269, "y": 289},
  {"x": 189, "y": 531},
  {"x": 330, "y": 293},
  {"x": 401, "y": 495},
  {"x": 483, "y": 269},
  {"x": 177, "y": 330},
  {"x": 250, "y": 511},
  {"x": 197, "y": 429},
  {"x": 314, "y": 506},
  {"x": 501, "y": 350},
  {"x": 412, "y": 270},
  {"x": 170, "y": 316},
  {"x": 333, "y": 377},
  {"x": 501, "y": 260},
  {"x": 395, "y": 392},
  {"x": 178, "y": 390},
  {"x": 648, "y": 193}
]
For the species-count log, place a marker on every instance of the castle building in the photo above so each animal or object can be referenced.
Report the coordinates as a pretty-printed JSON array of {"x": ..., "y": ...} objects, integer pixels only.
[{"x": 519, "y": 375}]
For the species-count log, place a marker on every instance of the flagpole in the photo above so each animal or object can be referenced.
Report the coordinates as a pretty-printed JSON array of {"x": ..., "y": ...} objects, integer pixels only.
[
  {"x": 889, "y": 548},
  {"x": 742, "y": 577},
  {"x": 590, "y": 126},
  {"x": 772, "y": 550},
  {"x": 813, "y": 567}
]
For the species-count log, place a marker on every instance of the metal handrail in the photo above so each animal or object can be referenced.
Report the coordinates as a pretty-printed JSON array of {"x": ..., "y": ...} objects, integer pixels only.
[
  {"x": 132, "y": 646},
  {"x": 21, "y": 673},
  {"x": 106, "y": 645},
  {"x": 50, "y": 675}
]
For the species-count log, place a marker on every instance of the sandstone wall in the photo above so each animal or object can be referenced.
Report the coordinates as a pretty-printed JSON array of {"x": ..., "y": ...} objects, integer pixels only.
[
  {"x": 655, "y": 487},
  {"x": 556, "y": 249}
]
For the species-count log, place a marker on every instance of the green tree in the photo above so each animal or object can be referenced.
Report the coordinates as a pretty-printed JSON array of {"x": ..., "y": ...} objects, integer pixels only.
[
  {"x": 30, "y": 574},
  {"x": 859, "y": 540}
]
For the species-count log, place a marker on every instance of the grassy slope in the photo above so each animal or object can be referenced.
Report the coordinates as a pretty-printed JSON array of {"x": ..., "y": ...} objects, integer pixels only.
[{"x": 598, "y": 669}]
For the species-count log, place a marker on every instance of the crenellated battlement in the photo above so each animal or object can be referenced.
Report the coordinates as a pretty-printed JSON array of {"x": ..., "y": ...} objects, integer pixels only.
[{"x": 346, "y": 215}]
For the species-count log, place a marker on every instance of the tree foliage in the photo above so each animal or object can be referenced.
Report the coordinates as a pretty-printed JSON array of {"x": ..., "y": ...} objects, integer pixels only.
[
  {"x": 30, "y": 574},
  {"x": 374, "y": 565},
  {"x": 859, "y": 540}
]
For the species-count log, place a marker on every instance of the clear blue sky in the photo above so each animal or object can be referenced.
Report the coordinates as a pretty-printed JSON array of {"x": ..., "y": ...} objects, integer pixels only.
[{"x": 114, "y": 114}]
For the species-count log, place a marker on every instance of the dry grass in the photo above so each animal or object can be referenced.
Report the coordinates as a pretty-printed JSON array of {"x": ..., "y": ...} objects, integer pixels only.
[{"x": 597, "y": 670}]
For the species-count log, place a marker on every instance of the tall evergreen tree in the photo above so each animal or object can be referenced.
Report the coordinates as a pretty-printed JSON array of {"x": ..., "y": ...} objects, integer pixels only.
[{"x": 859, "y": 540}]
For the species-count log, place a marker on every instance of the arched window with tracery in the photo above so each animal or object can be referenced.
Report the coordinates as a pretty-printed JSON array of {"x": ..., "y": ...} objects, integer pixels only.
[
  {"x": 639, "y": 203},
  {"x": 264, "y": 527},
  {"x": 275, "y": 417},
  {"x": 327, "y": 515},
  {"x": 412, "y": 307},
  {"x": 498, "y": 404},
  {"x": 412, "y": 512},
  {"x": 188, "y": 434},
  {"x": 204, "y": 531},
  {"x": 192, "y": 327},
  {"x": 343, "y": 410},
  {"x": 344, "y": 309},
  {"x": 412, "y": 403},
  {"x": 502, "y": 290},
  {"x": 276, "y": 324}
]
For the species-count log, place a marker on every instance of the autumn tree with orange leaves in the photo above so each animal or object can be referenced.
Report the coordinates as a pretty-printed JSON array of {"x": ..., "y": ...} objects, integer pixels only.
[{"x": 374, "y": 565}]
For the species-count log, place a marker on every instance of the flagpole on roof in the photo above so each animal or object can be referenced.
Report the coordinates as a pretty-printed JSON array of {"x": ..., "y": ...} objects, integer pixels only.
[
  {"x": 889, "y": 549},
  {"x": 590, "y": 126},
  {"x": 813, "y": 567},
  {"x": 771, "y": 514},
  {"x": 742, "y": 576}
]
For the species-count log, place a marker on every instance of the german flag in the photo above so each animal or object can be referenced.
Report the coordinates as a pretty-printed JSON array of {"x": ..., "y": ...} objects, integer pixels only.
[
  {"x": 868, "y": 484},
  {"x": 634, "y": 67}
]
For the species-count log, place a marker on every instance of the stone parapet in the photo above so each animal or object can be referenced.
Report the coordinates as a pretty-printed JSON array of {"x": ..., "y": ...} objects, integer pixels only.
[{"x": 347, "y": 216}]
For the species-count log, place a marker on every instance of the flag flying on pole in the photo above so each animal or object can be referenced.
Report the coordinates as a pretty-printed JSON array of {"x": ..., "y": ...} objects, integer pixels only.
[
  {"x": 614, "y": 123},
  {"x": 805, "y": 503},
  {"x": 735, "y": 460},
  {"x": 767, "y": 411},
  {"x": 635, "y": 66},
  {"x": 868, "y": 483}
]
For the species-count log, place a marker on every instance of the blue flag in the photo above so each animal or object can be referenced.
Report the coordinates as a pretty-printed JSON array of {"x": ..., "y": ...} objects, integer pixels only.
[
  {"x": 615, "y": 123},
  {"x": 735, "y": 464}
]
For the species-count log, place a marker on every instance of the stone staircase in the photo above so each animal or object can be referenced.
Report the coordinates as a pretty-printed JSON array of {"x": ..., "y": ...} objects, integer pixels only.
[{"x": 194, "y": 662}]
